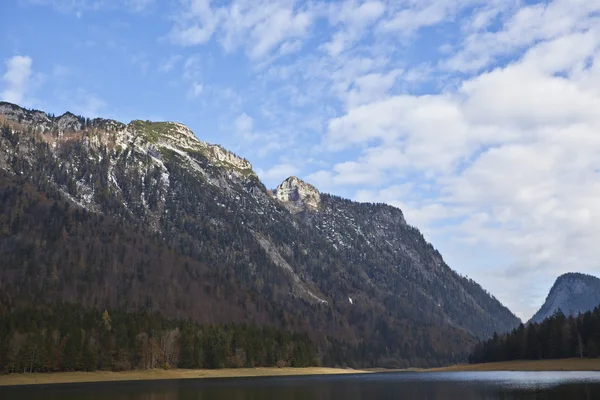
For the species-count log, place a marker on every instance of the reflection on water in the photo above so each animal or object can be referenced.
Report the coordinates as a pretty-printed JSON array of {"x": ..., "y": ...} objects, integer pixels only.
[{"x": 434, "y": 386}]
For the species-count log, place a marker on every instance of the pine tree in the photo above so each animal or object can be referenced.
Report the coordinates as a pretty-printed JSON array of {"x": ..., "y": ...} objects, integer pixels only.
[{"x": 591, "y": 348}]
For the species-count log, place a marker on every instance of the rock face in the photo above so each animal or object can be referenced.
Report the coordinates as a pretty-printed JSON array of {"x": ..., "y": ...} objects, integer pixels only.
[
  {"x": 298, "y": 195},
  {"x": 290, "y": 258},
  {"x": 25, "y": 117},
  {"x": 69, "y": 122},
  {"x": 572, "y": 293}
]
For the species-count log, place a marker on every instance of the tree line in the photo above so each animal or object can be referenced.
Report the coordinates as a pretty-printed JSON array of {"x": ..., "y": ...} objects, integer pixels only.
[
  {"x": 64, "y": 337},
  {"x": 556, "y": 337}
]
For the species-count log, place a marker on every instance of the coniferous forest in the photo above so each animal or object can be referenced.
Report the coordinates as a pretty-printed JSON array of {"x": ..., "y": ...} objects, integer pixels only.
[
  {"x": 58, "y": 260},
  {"x": 555, "y": 337},
  {"x": 64, "y": 337}
]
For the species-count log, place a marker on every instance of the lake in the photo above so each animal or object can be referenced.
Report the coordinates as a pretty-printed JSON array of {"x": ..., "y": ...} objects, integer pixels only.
[{"x": 404, "y": 385}]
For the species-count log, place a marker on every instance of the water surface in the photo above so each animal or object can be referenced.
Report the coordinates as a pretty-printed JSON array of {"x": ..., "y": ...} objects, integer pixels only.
[{"x": 442, "y": 386}]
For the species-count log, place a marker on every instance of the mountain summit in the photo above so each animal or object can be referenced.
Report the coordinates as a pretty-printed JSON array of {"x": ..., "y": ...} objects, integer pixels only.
[
  {"x": 298, "y": 195},
  {"x": 144, "y": 216},
  {"x": 572, "y": 293}
]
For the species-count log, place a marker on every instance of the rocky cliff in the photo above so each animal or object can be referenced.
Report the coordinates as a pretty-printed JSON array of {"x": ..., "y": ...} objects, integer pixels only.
[{"x": 298, "y": 195}]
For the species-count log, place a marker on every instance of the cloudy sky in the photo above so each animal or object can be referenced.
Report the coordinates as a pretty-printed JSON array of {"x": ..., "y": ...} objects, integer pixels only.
[{"x": 479, "y": 118}]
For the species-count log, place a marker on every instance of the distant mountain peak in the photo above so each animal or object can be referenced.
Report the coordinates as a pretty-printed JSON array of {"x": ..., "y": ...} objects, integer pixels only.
[
  {"x": 297, "y": 194},
  {"x": 570, "y": 276},
  {"x": 155, "y": 130},
  {"x": 572, "y": 293},
  {"x": 69, "y": 122},
  {"x": 175, "y": 134}
]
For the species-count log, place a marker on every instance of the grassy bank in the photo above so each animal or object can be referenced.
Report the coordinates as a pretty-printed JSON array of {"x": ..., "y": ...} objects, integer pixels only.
[
  {"x": 570, "y": 364},
  {"x": 107, "y": 376}
]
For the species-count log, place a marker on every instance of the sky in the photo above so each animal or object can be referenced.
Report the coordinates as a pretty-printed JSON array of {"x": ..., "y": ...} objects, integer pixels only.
[{"x": 480, "y": 119}]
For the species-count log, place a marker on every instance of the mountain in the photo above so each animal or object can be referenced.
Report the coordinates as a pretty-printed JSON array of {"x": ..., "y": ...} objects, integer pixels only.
[
  {"x": 572, "y": 293},
  {"x": 145, "y": 216}
]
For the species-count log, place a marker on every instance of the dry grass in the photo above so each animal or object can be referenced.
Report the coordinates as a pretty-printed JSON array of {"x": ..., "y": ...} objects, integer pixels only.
[
  {"x": 570, "y": 364},
  {"x": 106, "y": 376}
]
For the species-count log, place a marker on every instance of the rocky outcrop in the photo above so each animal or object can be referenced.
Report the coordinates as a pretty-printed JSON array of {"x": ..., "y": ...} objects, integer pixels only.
[
  {"x": 38, "y": 119},
  {"x": 298, "y": 195},
  {"x": 179, "y": 137},
  {"x": 69, "y": 122},
  {"x": 224, "y": 156}
]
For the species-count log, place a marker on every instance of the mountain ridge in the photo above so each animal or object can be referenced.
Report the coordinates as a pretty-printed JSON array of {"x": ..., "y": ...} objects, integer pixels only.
[{"x": 353, "y": 272}]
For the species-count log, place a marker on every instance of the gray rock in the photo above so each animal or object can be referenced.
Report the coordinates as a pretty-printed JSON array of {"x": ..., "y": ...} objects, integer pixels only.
[{"x": 572, "y": 293}]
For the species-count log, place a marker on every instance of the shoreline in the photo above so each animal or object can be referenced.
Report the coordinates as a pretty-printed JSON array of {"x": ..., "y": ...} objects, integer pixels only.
[
  {"x": 51, "y": 378},
  {"x": 48, "y": 378},
  {"x": 567, "y": 364}
]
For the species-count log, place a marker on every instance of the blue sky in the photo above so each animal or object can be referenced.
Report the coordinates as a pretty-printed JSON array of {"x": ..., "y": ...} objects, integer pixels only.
[{"x": 478, "y": 118}]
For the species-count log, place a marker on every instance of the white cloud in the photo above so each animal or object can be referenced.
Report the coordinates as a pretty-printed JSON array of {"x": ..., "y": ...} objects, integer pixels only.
[
  {"x": 372, "y": 87},
  {"x": 243, "y": 123},
  {"x": 170, "y": 63},
  {"x": 411, "y": 198},
  {"x": 192, "y": 68},
  {"x": 195, "y": 90},
  {"x": 70, "y": 5},
  {"x": 277, "y": 173},
  {"x": 262, "y": 26},
  {"x": 196, "y": 24},
  {"x": 321, "y": 179},
  {"x": 92, "y": 106},
  {"x": 258, "y": 26},
  {"x": 355, "y": 173},
  {"x": 243, "y": 127},
  {"x": 77, "y": 7},
  {"x": 425, "y": 131},
  {"x": 260, "y": 143},
  {"x": 16, "y": 79},
  {"x": 347, "y": 174},
  {"x": 525, "y": 27},
  {"x": 275, "y": 26},
  {"x": 353, "y": 17},
  {"x": 191, "y": 74},
  {"x": 409, "y": 16},
  {"x": 80, "y": 101},
  {"x": 289, "y": 47}
]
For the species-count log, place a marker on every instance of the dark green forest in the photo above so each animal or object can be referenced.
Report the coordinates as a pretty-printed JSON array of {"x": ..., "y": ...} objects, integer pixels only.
[
  {"x": 63, "y": 337},
  {"x": 556, "y": 337},
  {"x": 78, "y": 257}
]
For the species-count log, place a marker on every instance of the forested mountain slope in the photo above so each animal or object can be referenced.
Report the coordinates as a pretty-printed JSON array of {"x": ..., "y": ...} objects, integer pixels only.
[{"x": 146, "y": 216}]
